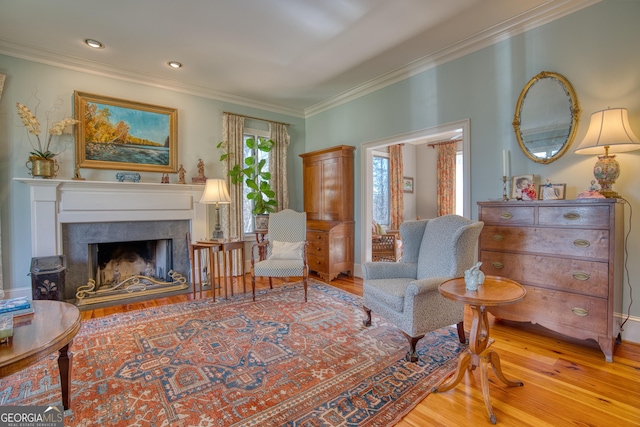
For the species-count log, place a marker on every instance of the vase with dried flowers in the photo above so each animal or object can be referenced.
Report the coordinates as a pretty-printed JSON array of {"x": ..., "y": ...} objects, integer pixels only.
[{"x": 41, "y": 160}]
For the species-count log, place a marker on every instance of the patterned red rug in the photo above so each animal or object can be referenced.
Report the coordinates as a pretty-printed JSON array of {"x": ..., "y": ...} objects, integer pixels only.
[{"x": 274, "y": 362}]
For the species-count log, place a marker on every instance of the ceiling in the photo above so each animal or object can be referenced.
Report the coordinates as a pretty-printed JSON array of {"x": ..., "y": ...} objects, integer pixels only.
[{"x": 290, "y": 56}]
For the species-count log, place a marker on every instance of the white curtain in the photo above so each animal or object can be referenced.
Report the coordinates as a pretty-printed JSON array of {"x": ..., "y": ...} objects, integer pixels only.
[{"x": 278, "y": 163}]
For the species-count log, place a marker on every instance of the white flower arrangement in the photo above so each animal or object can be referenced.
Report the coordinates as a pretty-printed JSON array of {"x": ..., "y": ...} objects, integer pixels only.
[{"x": 32, "y": 125}]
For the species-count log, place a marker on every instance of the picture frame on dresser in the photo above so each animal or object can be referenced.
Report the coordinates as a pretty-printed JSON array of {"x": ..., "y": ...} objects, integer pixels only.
[
  {"x": 520, "y": 183},
  {"x": 552, "y": 191},
  {"x": 125, "y": 135}
]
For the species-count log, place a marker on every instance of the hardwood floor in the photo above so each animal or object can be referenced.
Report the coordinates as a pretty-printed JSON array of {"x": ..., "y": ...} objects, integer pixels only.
[{"x": 566, "y": 381}]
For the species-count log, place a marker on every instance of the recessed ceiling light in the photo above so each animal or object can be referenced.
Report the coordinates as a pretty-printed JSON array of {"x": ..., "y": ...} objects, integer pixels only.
[
  {"x": 93, "y": 43},
  {"x": 174, "y": 64}
]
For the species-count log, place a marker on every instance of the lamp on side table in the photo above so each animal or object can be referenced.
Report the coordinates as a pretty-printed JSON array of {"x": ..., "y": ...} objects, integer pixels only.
[{"x": 215, "y": 191}]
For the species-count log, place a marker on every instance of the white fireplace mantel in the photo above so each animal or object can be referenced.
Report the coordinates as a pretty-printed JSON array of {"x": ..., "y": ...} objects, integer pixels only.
[{"x": 55, "y": 202}]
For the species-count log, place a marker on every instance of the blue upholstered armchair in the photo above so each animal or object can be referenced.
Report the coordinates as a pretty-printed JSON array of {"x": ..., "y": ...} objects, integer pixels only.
[
  {"x": 284, "y": 253},
  {"x": 406, "y": 293}
]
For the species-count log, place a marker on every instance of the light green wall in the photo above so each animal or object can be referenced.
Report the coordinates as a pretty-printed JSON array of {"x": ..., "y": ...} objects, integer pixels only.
[
  {"x": 199, "y": 130},
  {"x": 594, "y": 48}
]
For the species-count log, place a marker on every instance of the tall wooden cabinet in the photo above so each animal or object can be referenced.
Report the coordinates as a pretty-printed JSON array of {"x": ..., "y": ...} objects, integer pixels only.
[
  {"x": 568, "y": 254},
  {"x": 328, "y": 201}
]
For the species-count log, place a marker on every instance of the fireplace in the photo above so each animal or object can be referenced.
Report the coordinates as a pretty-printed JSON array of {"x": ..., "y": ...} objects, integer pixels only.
[
  {"x": 111, "y": 262},
  {"x": 68, "y": 217},
  {"x": 152, "y": 249}
]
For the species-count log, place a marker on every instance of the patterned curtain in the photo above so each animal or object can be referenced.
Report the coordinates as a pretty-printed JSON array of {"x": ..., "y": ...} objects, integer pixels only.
[
  {"x": 396, "y": 174},
  {"x": 231, "y": 215},
  {"x": 446, "y": 174},
  {"x": 278, "y": 163}
]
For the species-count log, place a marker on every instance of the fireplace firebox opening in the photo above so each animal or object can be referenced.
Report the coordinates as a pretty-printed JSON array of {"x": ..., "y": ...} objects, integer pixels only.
[{"x": 112, "y": 262}]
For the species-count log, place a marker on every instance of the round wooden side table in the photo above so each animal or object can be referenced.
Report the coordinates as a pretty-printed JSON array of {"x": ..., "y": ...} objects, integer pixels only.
[
  {"x": 50, "y": 328},
  {"x": 495, "y": 291}
]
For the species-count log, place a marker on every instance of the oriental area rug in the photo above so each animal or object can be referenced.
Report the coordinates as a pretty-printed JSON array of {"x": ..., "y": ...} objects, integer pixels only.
[{"x": 277, "y": 361}]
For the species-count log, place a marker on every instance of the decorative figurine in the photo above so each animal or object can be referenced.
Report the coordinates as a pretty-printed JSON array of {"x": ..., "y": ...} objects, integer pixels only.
[
  {"x": 200, "y": 179},
  {"x": 549, "y": 192},
  {"x": 473, "y": 277},
  {"x": 76, "y": 174},
  {"x": 165, "y": 178},
  {"x": 181, "y": 173},
  {"x": 529, "y": 192},
  {"x": 592, "y": 192}
]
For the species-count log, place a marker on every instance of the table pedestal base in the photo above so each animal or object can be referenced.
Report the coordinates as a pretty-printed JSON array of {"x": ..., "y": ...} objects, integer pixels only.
[{"x": 479, "y": 355}]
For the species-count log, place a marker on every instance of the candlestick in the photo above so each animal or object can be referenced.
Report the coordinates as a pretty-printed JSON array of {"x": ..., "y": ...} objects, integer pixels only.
[
  {"x": 504, "y": 188},
  {"x": 504, "y": 162}
]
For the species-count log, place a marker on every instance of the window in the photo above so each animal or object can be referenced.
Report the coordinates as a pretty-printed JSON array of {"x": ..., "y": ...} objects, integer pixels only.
[
  {"x": 381, "y": 189},
  {"x": 247, "y": 205}
]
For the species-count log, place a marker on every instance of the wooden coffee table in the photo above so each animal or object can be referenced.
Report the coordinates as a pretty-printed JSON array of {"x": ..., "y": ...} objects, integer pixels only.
[
  {"x": 52, "y": 327},
  {"x": 495, "y": 291}
]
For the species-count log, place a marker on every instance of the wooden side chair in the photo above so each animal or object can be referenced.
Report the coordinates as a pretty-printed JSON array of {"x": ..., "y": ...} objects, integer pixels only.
[{"x": 286, "y": 249}]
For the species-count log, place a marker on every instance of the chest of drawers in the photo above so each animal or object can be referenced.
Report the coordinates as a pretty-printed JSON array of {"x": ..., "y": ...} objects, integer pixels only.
[{"x": 567, "y": 254}]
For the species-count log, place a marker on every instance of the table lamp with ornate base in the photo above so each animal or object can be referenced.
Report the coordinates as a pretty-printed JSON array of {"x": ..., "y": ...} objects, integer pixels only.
[{"x": 609, "y": 130}]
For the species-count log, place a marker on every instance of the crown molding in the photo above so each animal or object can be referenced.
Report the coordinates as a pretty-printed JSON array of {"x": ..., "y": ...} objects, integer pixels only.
[
  {"x": 31, "y": 53},
  {"x": 543, "y": 14},
  {"x": 519, "y": 24}
]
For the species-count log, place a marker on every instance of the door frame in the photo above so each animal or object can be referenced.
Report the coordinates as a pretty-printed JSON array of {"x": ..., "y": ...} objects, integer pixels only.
[{"x": 366, "y": 173}]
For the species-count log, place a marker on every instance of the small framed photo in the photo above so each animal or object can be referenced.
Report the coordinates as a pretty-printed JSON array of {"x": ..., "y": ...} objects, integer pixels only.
[
  {"x": 407, "y": 184},
  {"x": 552, "y": 191},
  {"x": 523, "y": 187}
]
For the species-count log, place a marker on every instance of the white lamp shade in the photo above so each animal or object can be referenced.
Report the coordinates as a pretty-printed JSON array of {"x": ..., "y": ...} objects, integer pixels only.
[
  {"x": 215, "y": 191},
  {"x": 609, "y": 128}
]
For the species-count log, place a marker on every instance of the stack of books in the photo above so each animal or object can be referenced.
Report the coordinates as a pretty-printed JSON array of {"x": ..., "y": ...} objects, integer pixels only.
[{"x": 15, "y": 306}]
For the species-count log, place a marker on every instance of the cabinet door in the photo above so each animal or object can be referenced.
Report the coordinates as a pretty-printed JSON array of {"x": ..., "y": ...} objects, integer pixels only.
[
  {"x": 332, "y": 190},
  {"x": 312, "y": 179}
]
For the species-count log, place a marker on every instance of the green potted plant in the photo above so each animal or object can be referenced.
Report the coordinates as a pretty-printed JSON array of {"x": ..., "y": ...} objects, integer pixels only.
[{"x": 254, "y": 175}]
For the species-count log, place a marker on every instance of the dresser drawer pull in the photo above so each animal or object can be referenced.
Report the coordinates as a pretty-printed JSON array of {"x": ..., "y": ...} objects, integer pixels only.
[
  {"x": 581, "y": 243},
  {"x": 580, "y": 311},
  {"x": 581, "y": 276},
  {"x": 497, "y": 264},
  {"x": 497, "y": 237},
  {"x": 572, "y": 216},
  {"x": 506, "y": 215}
]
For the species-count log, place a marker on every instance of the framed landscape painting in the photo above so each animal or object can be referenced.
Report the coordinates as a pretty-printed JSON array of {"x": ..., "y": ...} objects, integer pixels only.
[{"x": 125, "y": 135}]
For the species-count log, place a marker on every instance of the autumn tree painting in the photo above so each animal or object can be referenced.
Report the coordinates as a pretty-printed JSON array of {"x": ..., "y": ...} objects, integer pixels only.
[{"x": 120, "y": 135}]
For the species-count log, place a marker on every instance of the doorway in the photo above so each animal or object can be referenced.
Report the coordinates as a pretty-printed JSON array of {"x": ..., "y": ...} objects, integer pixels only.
[{"x": 454, "y": 130}]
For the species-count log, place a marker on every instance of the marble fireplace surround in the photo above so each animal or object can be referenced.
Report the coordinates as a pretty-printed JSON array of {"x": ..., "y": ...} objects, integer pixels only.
[{"x": 58, "y": 204}]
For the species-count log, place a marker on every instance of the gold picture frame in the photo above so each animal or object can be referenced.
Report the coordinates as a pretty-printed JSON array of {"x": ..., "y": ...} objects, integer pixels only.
[{"x": 125, "y": 135}]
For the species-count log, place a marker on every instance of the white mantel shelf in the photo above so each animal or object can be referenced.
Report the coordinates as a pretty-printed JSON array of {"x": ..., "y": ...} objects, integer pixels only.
[{"x": 55, "y": 202}]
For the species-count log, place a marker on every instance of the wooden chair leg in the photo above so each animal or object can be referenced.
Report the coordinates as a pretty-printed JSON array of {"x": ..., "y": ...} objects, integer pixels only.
[
  {"x": 253, "y": 285},
  {"x": 412, "y": 355},
  {"x": 270, "y": 283},
  {"x": 367, "y": 312},
  {"x": 304, "y": 280}
]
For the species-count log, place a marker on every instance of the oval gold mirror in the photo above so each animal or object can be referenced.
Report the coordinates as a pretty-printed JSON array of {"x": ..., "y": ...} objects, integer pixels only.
[{"x": 546, "y": 117}]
